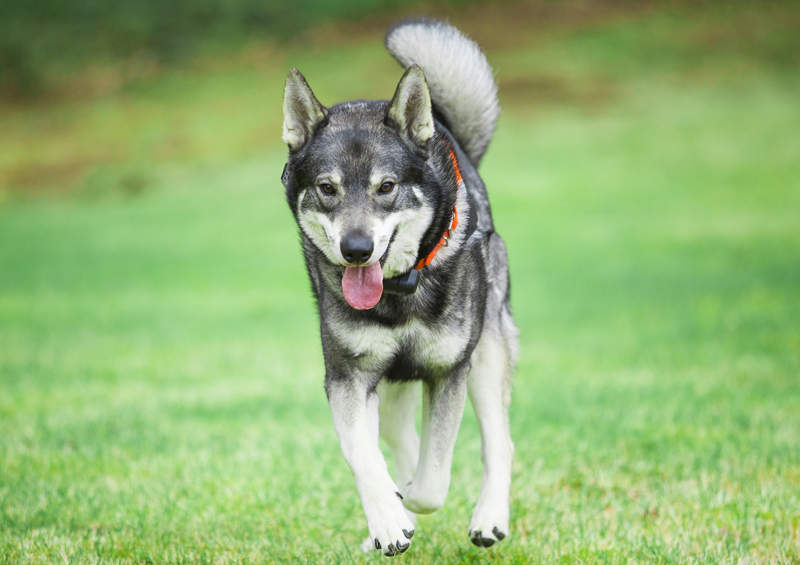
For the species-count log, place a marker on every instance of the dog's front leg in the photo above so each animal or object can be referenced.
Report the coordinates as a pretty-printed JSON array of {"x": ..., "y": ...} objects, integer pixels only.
[
  {"x": 354, "y": 405},
  {"x": 442, "y": 408}
]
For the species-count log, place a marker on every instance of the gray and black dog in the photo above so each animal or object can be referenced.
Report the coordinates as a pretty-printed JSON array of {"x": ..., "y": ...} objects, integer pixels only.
[{"x": 410, "y": 277}]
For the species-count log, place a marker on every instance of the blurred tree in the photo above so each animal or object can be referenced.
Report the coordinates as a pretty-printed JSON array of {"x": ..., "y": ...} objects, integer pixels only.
[{"x": 38, "y": 36}]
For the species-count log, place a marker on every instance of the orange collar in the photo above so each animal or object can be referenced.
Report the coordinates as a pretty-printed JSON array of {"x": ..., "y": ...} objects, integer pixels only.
[{"x": 425, "y": 261}]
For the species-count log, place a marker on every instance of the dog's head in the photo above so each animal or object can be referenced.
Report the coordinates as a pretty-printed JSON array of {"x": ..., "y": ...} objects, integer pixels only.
[{"x": 358, "y": 180}]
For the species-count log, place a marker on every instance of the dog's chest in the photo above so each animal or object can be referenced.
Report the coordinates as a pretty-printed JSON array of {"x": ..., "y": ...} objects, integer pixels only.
[{"x": 412, "y": 347}]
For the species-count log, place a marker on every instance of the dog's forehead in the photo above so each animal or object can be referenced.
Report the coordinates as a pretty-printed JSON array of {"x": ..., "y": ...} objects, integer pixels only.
[
  {"x": 364, "y": 113},
  {"x": 356, "y": 142}
]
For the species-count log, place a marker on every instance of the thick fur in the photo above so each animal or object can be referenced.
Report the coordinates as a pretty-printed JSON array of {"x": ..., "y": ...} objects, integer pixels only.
[
  {"x": 454, "y": 334},
  {"x": 459, "y": 76}
]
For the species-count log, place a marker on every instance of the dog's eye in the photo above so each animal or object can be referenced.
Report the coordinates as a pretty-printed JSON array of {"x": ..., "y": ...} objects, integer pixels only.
[
  {"x": 386, "y": 187},
  {"x": 327, "y": 188}
]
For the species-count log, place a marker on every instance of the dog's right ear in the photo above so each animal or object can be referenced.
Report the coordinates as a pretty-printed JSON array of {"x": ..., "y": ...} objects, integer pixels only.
[{"x": 302, "y": 112}]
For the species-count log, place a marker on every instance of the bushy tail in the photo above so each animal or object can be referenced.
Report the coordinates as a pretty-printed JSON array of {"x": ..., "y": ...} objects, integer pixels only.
[{"x": 458, "y": 74}]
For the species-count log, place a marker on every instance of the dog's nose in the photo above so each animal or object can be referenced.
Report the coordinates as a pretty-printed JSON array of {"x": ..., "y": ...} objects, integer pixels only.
[{"x": 356, "y": 247}]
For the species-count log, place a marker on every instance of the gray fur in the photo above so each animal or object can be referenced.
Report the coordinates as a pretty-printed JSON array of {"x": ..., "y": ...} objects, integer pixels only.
[
  {"x": 458, "y": 74},
  {"x": 302, "y": 112},
  {"x": 410, "y": 109},
  {"x": 455, "y": 333}
]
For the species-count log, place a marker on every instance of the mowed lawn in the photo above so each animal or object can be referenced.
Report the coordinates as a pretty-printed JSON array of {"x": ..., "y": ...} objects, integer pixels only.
[{"x": 161, "y": 377}]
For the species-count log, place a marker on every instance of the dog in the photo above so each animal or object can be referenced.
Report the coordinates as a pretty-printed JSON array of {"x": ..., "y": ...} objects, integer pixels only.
[{"x": 410, "y": 277}]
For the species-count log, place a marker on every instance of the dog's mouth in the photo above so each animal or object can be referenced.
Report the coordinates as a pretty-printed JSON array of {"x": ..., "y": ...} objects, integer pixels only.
[{"x": 363, "y": 286}]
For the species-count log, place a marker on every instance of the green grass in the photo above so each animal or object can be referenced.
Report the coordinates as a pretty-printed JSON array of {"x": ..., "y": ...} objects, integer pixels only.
[{"x": 160, "y": 369}]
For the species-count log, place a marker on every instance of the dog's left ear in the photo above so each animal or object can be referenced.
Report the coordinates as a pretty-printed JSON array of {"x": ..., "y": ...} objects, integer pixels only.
[
  {"x": 302, "y": 112},
  {"x": 410, "y": 111}
]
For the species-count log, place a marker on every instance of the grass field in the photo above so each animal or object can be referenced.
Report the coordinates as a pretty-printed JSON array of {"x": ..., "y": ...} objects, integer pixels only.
[{"x": 161, "y": 377}]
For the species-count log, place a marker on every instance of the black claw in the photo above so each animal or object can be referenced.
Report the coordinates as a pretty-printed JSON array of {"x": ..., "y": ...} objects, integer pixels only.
[
  {"x": 400, "y": 496},
  {"x": 390, "y": 550},
  {"x": 408, "y": 534},
  {"x": 475, "y": 538},
  {"x": 401, "y": 547},
  {"x": 377, "y": 544},
  {"x": 498, "y": 534}
]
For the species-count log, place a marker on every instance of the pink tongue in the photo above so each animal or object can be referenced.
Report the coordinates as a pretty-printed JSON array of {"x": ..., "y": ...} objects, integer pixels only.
[{"x": 363, "y": 286}]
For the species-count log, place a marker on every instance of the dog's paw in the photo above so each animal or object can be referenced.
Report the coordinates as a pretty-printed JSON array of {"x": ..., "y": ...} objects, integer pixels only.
[
  {"x": 421, "y": 500},
  {"x": 371, "y": 544},
  {"x": 390, "y": 528},
  {"x": 481, "y": 539},
  {"x": 489, "y": 524}
]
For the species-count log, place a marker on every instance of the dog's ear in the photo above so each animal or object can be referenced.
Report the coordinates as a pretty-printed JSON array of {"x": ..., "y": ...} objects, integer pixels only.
[
  {"x": 302, "y": 112},
  {"x": 410, "y": 111}
]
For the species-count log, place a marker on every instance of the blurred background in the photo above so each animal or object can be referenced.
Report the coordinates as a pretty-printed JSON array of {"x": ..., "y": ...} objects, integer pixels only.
[{"x": 161, "y": 378}]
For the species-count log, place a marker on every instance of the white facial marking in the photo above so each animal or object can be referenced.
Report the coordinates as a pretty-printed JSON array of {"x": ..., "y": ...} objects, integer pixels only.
[
  {"x": 333, "y": 177},
  {"x": 410, "y": 226},
  {"x": 378, "y": 177},
  {"x": 320, "y": 230}
]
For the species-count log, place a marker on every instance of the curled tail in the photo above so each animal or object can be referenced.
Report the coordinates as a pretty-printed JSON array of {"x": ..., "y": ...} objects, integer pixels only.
[{"x": 460, "y": 79}]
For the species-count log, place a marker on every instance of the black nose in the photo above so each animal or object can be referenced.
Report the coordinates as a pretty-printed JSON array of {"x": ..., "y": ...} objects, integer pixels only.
[{"x": 356, "y": 247}]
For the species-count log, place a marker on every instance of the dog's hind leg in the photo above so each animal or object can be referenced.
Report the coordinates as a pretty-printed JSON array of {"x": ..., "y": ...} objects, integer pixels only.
[
  {"x": 489, "y": 386},
  {"x": 442, "y": 408},
  {"x": 398, "y": 403},
  {"x": 355, "y": 415},
  {"x": 397, "y": 413}
]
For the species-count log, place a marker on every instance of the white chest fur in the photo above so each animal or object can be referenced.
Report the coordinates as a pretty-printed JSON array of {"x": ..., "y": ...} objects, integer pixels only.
[{"x": 430, "y": 346}]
